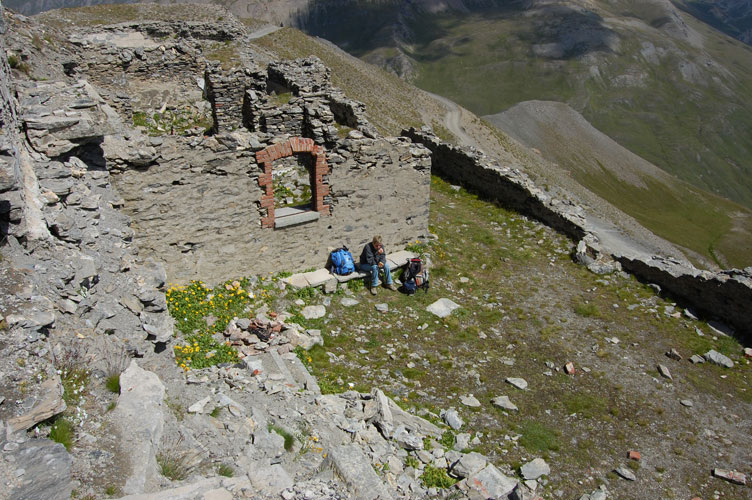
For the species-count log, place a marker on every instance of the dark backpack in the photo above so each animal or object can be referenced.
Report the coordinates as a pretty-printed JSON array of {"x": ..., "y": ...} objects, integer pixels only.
[
  {"x": 415, "y": 276},
  {"x": 342, "y": 261}
]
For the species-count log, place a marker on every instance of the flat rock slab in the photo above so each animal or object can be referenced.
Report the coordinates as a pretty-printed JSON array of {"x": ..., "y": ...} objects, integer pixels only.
[
  {"x": 519, "y": 383},
  {"x": 49, "y": 403},
  {"x": 399, "y": 259},
  {"x": 47, "y": 471},
  {"x": 204, "y": 488},
  {"x": 626, "y": 473},
  {"x": 468, "y": 465},
  {"x": 504, "y": 402},
  {"x": 442, "y": 308},
  {"x": 313, "y": 312},
  {"x": 731, "y": 476},
  {"x": 348, "y": 302},
  {"x": 488, "y": 483},
  {"x": 719, "y": 359},
  {"x": 356, "y": 471},
  {"x": 470, "y": 401},
  {"x": 318, "y": 277},
  {"x": 296, "y": 281},
  {"x": 271, "y": 480},
  {"x": 535, "y": 469},
  {"x": 140, "y": 418}
]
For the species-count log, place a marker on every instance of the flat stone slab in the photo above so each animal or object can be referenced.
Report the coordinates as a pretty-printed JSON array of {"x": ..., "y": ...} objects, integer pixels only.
[
  {"x": 470, "y": 401},
  {"x": 442, "y": 308},
  {"x": 488, "y": 483},
  {"x": 717, "y": 358},
  {"x": 399, "y": 259},
  {"x": 356, "y": 471},
  {"x": 317, "y": 277},
  {"x": 519, "y": 383},
  {"x": 314, "y": 312},
  {"x": 140, "y": 416},
  {"x": 535, "y": 469},
  {"x": 344, "y": 278},
  {"x": 296, "y": 280},
  {"x": 504, "y": 402}
]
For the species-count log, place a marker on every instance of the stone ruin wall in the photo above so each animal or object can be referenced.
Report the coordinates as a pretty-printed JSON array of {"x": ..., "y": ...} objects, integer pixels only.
[
  {"x": 200, "y": 213},
  {"x": 201, "y": 205},
  {"x": 726, "y": 295}
]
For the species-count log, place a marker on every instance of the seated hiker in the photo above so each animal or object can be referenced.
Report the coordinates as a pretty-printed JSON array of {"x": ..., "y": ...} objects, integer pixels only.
[{"x": 373, "y": 260}]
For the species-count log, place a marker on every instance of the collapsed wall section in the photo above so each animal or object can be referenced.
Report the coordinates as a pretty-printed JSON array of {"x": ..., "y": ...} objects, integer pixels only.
[{"x": 726, "y": 295}]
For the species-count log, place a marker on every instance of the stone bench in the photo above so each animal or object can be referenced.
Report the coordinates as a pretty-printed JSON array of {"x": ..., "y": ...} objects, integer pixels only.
[{"x": 318, "y": 277}]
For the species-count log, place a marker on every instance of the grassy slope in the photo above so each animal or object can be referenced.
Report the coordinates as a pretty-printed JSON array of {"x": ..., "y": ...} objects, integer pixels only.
[
  {"x": 704, "y": 128},
  {"x": 696, "y": 131}
]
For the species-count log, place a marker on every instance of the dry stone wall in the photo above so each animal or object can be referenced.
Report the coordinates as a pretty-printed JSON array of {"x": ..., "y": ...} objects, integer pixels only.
[
  {"x": 198, "y": 208},
  {"x": 725, "y": 296}
]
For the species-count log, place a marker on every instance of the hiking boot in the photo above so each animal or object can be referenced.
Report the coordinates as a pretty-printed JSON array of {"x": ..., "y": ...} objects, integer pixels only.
[
  {"x": 391, "y": 287},
  {"x": 373, "y": 290}
]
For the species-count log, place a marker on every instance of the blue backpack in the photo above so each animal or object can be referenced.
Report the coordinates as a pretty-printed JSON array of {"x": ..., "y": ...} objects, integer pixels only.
[{"x": 342, "y": 261}]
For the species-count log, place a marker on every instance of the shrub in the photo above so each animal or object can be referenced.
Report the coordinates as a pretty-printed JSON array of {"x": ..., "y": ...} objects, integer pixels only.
[{"x": 433, "y": 477}]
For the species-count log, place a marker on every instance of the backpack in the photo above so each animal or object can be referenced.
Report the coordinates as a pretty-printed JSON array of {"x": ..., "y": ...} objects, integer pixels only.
[
  {"x": 415, "y": 276},
  {"x": 342, "y": 261}
]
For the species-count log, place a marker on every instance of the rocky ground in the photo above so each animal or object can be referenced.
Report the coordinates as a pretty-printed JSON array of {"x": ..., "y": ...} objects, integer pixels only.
[{"x": 476, "y": 399}]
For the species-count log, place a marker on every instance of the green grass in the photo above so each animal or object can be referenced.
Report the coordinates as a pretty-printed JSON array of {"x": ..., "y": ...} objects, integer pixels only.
[
  {"x": 225, "y": 470},
  {"x": 112, "y": 383},
  {"x": 62, "y": 431},
  {"x": 538, "y": 437},
  {"x": 286, "y": 435}
]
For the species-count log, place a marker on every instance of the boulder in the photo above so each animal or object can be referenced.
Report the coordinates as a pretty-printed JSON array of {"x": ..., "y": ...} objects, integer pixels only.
[{"x": 140, "y": 418}]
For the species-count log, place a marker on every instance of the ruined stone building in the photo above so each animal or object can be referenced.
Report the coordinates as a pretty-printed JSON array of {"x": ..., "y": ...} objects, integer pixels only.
[{"x": 231, "y": 172}]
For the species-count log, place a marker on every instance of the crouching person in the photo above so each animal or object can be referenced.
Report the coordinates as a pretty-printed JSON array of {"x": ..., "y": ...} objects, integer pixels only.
[{"x": 373, "y": 260}]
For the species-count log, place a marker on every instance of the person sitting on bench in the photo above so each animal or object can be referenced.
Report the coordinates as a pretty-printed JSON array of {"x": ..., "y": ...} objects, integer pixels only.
[{"x": 373, "y": 260}]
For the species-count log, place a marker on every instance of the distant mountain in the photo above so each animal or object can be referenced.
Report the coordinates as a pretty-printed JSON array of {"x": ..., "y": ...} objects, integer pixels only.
[
  {"x": 659, "y": 82},
  {"x": 733, "y": 17}
]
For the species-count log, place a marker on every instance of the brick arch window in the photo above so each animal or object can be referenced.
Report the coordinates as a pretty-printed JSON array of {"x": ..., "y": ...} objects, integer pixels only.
[{"x": 319, "y": 182}]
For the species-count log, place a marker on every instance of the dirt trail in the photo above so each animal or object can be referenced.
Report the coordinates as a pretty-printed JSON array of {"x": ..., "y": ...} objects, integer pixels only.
[{"x": 452, "y": 121}]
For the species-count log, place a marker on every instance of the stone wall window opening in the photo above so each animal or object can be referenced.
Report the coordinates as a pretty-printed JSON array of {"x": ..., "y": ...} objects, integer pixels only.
[{"x": 282, "y": 180}]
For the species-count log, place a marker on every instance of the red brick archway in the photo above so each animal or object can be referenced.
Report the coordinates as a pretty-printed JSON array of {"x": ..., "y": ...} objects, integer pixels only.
[{"x": 319, "y": 187}]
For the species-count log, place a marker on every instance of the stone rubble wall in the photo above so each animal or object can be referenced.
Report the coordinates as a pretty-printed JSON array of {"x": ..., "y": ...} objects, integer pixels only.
[
  {"x": 725, "y": 295},
  {"x": 198, "y": 209},
  {"x": 508, "y": 186},
  {"x": 228, "y": 92}
]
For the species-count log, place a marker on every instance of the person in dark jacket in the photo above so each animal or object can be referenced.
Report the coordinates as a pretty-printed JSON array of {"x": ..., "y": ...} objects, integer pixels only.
[{"x": 373, "y": 260}]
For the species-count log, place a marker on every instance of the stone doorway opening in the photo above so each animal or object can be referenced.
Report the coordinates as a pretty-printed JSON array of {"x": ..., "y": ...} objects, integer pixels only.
[{"x": 285, "y": 200}]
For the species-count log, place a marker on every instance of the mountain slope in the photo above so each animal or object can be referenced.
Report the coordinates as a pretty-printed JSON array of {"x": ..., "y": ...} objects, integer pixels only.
[{"x": 697, "y": 221}]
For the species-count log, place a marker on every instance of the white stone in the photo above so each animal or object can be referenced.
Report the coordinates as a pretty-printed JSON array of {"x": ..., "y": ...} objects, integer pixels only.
[
  {"x": 470, "y": 401},
  {"x": 442, "y": 308},
  {"x": 313, "y": 312},
  {"x": 535, "y": 469},
  {"x": 519, "y": 383},
  {"x": 198, "y": 406},
  {"x": 504, "y": 403}
]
